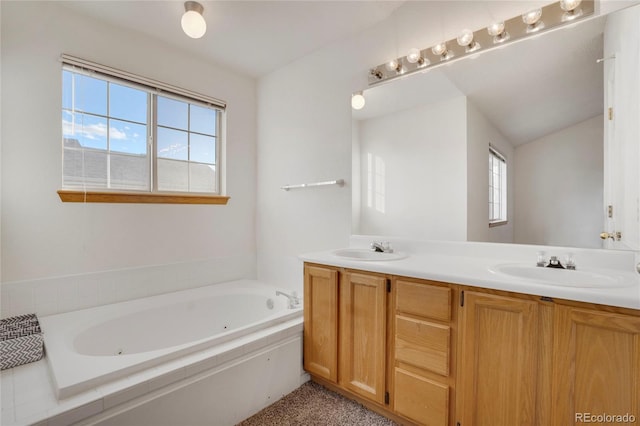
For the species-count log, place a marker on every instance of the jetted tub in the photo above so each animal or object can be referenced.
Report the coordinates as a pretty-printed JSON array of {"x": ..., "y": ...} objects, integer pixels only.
[{"x": 93, "y": 346}]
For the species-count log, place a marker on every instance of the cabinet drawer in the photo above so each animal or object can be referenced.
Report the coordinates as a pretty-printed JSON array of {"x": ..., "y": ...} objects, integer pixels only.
[
  {"x": 420, "y": 399},
  {"x": 423, "y": 344},
  {"x": 424, "y": 300}
]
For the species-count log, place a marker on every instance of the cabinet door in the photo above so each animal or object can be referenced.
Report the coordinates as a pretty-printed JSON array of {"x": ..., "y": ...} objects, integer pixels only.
[
  {"x": 363, "y": 334},
  {"x": 498, "y": 360},
  {"x": 596, "y": 367},
  {"x": 321, "y": 322}
]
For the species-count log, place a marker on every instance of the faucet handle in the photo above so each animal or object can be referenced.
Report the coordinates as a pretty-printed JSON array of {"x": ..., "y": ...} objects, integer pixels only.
[{"x": 570, "y": 261}]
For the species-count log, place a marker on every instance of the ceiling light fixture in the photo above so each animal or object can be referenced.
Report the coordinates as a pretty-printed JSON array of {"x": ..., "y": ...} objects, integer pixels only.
[
  {"x": 193, "y": 23},
  {"x": 499, "y": 33},
  {"x": 357, "y": 100}
]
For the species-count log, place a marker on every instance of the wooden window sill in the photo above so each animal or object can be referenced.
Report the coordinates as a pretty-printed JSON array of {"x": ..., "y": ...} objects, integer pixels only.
[
  {"x": 500, "y": 223},
  {"x": 68, "y": 196}
]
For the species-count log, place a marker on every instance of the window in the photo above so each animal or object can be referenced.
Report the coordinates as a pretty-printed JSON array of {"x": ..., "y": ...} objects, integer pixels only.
[
  {"x": 121, "y": 136},
  {"x": 497, "y": 188}
]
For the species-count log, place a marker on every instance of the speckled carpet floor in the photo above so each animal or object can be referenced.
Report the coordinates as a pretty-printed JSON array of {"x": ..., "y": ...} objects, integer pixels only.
[{"x": 314, "y": 405}]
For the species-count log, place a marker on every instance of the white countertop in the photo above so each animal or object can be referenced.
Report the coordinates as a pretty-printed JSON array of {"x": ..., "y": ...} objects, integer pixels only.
[{"x": 439, "y": 262}]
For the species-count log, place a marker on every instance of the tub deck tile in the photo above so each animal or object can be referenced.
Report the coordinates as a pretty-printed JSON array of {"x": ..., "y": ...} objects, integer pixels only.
[
  {"x": 122, "y": 391},
  {"x": 166, "y": 377}
]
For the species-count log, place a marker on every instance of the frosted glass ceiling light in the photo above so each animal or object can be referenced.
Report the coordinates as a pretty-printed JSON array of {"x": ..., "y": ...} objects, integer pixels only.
[
  {"x": 571, "y": 9},
  {"x": 357, "y": 100},
  {"x": 465, "y": 39},
  {"x": 193, "y": 23},
  {"x": 532, "y": 19},
  {"x": 497, "y": 30}
]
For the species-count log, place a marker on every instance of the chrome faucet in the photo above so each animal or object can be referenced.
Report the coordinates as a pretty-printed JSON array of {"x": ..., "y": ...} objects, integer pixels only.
[
  {"x": 555, "y": 263},
  {"x": 294, "y": 300},
  {"x": 381, "y": 247}
]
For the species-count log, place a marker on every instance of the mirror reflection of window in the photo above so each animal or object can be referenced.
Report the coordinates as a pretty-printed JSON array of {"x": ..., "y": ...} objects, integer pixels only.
[
  {"x": 497, "y": 188},
  {"x": 375, "y": 183}
]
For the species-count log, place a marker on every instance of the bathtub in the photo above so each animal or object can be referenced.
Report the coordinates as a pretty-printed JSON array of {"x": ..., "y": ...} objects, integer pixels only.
[{"x": 91, "y": 347}]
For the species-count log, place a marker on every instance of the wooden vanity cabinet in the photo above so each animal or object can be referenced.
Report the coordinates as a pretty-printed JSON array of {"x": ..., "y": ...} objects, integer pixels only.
[
  {"x": 345, "y": 322},
  {"x": 422, "y": 360},
  {"x": 320, "y": 334},
  {"x": 362, "y": 348},
  {"x": 498, "y": 360},
  {"x": 430, "y": 353},
  {"x": 596, "y": 364}
]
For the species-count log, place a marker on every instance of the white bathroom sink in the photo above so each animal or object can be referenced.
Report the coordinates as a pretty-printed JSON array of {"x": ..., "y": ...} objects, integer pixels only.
[
  {"x": 367, "y": 254},
  {"x": 564, "y": 277}
]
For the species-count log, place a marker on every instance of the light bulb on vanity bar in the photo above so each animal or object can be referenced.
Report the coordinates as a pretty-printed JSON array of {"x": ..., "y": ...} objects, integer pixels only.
[
  {"x": 393, "y": 65},
  {"x": 465, "y": 39},
  {"x": 571, "y": 9},
  {"x": 498, "y": 31},
  {"x": 533, "y": 21}
]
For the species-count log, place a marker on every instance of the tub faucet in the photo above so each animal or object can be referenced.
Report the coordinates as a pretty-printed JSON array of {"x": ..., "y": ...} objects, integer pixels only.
[{"x": 294, "y": 300}]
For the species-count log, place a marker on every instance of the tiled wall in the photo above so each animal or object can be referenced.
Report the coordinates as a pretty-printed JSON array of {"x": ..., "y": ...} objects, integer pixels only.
[{"x": 54, "y": 295}]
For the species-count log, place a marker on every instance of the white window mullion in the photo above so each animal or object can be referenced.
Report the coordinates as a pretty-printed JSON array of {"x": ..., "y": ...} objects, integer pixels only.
[{"x": 152, "y": 114}]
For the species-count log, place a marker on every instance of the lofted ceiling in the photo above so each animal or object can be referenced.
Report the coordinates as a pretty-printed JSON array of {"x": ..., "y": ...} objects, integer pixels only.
[
  {"x": 258, "y": 37},
  {"x": 253, "y": 37}
]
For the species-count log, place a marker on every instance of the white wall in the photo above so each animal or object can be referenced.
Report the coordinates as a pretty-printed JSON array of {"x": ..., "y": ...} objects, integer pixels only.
[
  {"x": 44, "y": 238},
  {"x": 424, "y": 172},
  {"x": 481, "y": 133},
  {"x": 558, "y": 187},
  {"x": 304, "y": 128}
]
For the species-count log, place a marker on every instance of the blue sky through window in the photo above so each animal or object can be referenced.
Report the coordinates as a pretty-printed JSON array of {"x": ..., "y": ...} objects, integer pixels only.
[
  {"x": 85, "y": 119},
  {"x": 108, "y": 116}
]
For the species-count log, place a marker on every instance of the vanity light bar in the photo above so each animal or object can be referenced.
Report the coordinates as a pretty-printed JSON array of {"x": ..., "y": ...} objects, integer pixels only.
[{"x": 553, "y": 16}]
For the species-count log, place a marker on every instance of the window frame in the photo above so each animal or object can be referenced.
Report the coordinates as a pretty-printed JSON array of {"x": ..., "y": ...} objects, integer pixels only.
[
  {"x": 153, "y": 89},
  {"x": 495, "y": 155}
]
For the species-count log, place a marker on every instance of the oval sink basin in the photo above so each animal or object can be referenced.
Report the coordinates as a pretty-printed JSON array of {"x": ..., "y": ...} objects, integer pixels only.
[
  {"x": 366, "y": 254},
  {"x": 564, "y": 277}
]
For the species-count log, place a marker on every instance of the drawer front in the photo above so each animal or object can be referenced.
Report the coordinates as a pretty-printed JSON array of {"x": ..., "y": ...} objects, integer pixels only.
[
  {"x": 421, "y": 400},
  {"x": 423, "y": 344},
  {"x": 423, "y": 300}
]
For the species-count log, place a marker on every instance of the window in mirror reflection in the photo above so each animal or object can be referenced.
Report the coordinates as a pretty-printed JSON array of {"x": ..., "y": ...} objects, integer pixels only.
[
  {"x": 497, "y": 188},
  {"x": 375, "y": 183}
]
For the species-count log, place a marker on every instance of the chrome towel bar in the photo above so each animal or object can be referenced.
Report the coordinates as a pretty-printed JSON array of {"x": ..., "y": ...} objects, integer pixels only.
[{"x": 339, "y": 182}]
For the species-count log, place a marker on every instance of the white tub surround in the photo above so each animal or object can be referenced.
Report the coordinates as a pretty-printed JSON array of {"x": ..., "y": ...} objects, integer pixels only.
[
  {"x": 82, "y": 379},
  {"x": 477, "y": 264}
]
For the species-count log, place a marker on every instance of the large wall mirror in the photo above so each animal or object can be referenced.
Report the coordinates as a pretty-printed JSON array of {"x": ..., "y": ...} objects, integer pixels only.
[{"x": 422, "y": 144}]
